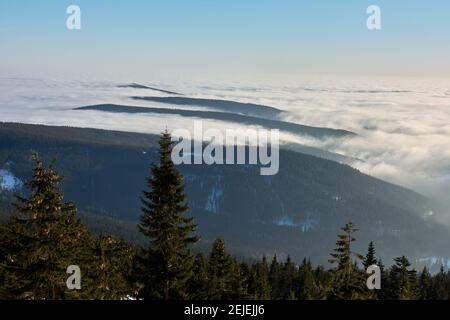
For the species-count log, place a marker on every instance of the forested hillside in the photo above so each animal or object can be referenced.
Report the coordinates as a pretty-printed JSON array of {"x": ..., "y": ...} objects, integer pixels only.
[
  {"x": 44, "y": 237},
  {"x": 295, "y": 212}
]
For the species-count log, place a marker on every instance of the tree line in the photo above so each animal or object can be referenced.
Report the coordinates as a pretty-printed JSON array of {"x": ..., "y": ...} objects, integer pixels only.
[{"x": 45, "y": 236}]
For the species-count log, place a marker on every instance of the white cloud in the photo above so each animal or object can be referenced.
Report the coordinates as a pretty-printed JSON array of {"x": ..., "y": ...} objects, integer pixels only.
[{"x": 403, "y": 124}]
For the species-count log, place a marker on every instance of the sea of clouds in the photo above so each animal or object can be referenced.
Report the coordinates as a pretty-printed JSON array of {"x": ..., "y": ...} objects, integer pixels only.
[{"x": 403, "y": 124}]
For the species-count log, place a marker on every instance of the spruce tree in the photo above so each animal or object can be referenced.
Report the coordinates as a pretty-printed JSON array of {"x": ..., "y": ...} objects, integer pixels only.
[
  {"x": 220, "y": 271},
  {"x": 403, "y": 280},
  {"x": 262, "y": 274},
  {"x": 348, "y": 280},
  {"x": 5, "y": 294},
  {"x": 441, "y": 287},
  {"x": 384, "y": 292},
  {"x": 41, "y": 240},
  {"x": 425, "y": 284},
  {"x": 307, "y": 287},
  {"x": 166, "y": 263},
  {"x": 288, "y": 276},
  {"x": 199, "y": 285},
  {"x": 370, "y": 258},
  {"x": 238, "y": 281},
  {"x": 323, "y": 282},
  {"x": 275, "y": 278},
  {"x": 112, "y": 262},
  {"x": 259, "y": 287}
]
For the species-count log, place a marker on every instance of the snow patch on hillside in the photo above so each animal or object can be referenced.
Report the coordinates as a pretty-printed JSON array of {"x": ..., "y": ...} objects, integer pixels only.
[
  {"x": 285, "y": 221},
  {"x": 304, "y": 225},
  {"x": 9, "y": 182},
  {"x": 307, "y": 225},
  {"x": 215, "y": 196},
  {"x": 440, "y": 261}
]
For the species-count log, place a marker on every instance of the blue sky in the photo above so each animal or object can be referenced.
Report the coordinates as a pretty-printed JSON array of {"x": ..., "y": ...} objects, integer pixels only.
[{"x": 211, "y": 37}]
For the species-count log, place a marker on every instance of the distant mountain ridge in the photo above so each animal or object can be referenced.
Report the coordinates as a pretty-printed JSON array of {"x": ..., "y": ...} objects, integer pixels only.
[
  {"x": 248, "y": 109},
  {"x": 140, "y": 86},
  {"x": 294, "y": 128}
]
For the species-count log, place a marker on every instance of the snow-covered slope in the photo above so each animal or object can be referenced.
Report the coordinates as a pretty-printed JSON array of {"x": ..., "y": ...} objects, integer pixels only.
[{"x": 9, "y": 182}]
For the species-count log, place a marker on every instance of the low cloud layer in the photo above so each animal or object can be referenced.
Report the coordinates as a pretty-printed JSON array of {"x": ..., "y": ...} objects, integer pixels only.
[{"x": 403, "y": 125}]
